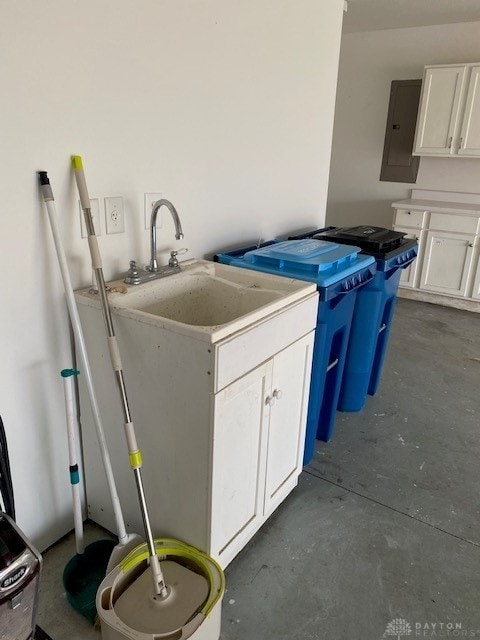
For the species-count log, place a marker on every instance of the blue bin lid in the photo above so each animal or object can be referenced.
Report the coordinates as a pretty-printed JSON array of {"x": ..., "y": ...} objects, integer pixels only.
[{"x": 319, "y": 261}]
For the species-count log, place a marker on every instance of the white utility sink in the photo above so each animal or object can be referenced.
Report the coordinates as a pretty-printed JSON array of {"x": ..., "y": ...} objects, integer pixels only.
[
  {"x": 206, "y": 298},
  {"x": 217, "y": 363}
]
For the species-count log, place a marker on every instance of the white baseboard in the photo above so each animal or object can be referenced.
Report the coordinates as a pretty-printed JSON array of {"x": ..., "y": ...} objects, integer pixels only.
[{"x": 434, "y": 298}]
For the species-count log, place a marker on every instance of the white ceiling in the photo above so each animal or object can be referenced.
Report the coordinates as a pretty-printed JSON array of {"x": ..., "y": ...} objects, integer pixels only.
[{"x": 372, "y": 15}]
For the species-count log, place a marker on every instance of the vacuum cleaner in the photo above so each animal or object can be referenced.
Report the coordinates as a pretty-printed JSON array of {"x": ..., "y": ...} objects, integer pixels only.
[{"x": 20, "y": 564}]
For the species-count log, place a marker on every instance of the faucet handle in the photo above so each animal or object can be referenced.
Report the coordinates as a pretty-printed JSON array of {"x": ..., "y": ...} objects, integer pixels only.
[
  {"x": 133, "y": 271},
  {"x": 133, "y": 274},
  {"x": 173, "y": 262}
]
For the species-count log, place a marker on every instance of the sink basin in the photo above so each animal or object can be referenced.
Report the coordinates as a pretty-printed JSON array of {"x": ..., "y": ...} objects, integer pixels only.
[{"x": 205, "y": 298}]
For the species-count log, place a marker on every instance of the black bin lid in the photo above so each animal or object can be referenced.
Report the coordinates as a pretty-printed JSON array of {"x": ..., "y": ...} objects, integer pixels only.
[{"x": 368, "y": 238}]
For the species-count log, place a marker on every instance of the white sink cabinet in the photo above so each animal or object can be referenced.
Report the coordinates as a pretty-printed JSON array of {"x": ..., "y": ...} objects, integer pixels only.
[
  {"x": 258, "y": 445},
  {"x": 220, "y": 417}
]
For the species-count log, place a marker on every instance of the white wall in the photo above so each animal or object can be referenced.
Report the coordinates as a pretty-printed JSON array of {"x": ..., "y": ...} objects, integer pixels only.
[
  {"x": 224, "y": 106},
  {"x": 368, "y": 64}
]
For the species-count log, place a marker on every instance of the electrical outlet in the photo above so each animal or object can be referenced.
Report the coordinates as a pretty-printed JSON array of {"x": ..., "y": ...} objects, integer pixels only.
[
  {"x": 150, "y": 199},
  {"x": 114, "y": 215},
  {"x": 95, "y": 209}
]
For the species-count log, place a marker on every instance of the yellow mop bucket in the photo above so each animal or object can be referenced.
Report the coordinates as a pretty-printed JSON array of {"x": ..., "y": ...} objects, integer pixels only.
[{"x": 128, "y": 608}]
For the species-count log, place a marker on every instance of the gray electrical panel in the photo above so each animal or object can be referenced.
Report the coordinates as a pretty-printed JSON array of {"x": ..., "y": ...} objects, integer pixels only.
[{"x": 398, "y": 164}]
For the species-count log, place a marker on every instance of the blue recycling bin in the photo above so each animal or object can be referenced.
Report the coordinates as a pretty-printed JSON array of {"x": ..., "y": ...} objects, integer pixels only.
[
  {"x": 339, "y": 272},
  {"x": 374, "y": 307}
]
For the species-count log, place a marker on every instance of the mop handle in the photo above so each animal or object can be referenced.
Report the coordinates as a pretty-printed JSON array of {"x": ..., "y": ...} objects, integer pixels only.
[
  {"x": 135, "y": 455},
  {"x": 67, "y": 375},
  {"x": 77, "y": 329}
]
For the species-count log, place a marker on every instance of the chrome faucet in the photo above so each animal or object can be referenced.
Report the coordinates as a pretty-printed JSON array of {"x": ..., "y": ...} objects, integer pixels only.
[
  {"x": 153, "y": 265},
  {"x": 152, "y": 270}
]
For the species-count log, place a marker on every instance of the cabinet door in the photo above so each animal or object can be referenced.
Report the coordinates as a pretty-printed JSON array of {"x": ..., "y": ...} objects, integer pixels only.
[
  {"x": 409, "y": 276},
  {"x": 476, "y": 282},
  {"x": 438, "y": 123},
  {"x": 288, "y": 414},
  {"x": 470, "y": 136},
  {"x": 447, "y": 262},
  {"x": 238, "y": 465}
]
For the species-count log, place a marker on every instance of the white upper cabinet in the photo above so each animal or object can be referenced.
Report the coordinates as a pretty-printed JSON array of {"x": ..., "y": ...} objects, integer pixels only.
[
  {"x": 438, "y": 120},
  {"x": 470, "y": 134},
  {"x": 449, "y": 115}
]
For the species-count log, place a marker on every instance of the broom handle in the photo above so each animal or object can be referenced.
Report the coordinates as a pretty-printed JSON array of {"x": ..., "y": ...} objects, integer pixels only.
[
  {"x": 72, "y": 457},
  {"x": 135, "y": 454},
  {"x": 77, "y": 330}
]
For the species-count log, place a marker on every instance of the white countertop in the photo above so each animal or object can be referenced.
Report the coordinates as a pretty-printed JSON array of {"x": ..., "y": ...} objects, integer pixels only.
[{"x": 459, "y": 208}]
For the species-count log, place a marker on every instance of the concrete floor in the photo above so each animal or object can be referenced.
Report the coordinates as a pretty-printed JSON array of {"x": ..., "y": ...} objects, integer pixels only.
[{"x": 384, "y": 524}]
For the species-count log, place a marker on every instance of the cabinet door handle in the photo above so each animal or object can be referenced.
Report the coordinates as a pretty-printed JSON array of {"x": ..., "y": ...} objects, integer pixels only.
[
  {"x": 276, "y": 395},
  {"x": 332, "y": 364},
  {"x": 470, "y": 244},
  {"x": 450, "y": 142}
]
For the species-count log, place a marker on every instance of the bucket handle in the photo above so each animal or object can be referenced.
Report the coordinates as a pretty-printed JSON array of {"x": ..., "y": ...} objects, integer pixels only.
[{"x": 367, "y": 277}]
